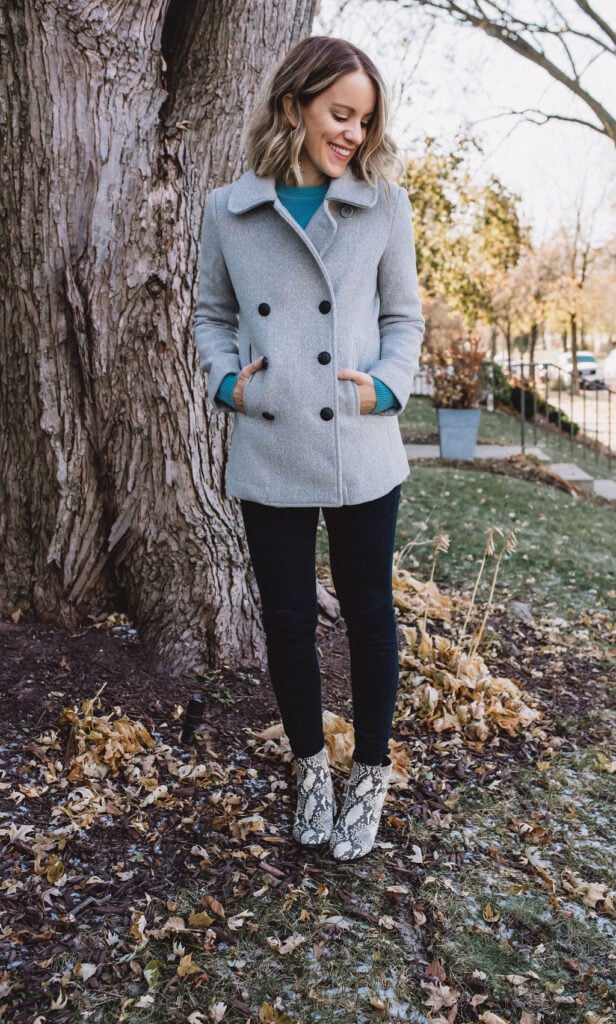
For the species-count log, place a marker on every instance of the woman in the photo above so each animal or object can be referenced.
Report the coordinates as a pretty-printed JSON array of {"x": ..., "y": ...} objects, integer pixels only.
[{"x": 309, "y": 325}]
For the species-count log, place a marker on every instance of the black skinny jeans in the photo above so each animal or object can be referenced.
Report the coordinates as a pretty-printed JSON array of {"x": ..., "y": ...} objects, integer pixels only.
[{"x": 282, "y": 544}]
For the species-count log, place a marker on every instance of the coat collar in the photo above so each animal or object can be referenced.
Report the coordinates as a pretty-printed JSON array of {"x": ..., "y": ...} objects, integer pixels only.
[{"x": 252, "y": 190}]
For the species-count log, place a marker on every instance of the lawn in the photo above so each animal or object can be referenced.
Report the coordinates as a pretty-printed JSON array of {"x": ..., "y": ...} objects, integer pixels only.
[
  {"x": 419, "y": 421},
  {"x": 565, "y": 558}
]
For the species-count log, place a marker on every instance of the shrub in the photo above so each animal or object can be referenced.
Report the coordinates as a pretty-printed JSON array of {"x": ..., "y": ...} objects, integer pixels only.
[
  {"x": 527, "y": 400},
  {"x": 496, "y": 376},
  {"x": 456, "y": 373}
]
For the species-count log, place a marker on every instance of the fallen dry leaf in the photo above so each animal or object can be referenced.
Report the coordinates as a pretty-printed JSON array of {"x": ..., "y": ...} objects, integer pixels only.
[
  {"x": 490, "y": 914},
  {"x": 199, "y": 920},
  {"x": 186, "y": 966},
  {"x": 288, "y": 945},
  {"x": 436, "y": 970},
  {"x": 413, "y": 595},
  {"x": 593, "y": 894}
]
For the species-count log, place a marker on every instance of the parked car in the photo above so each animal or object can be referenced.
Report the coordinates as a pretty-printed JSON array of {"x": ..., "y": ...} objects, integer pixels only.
[
  {"x": 609, "y": 365},
  {"x": 590, "y": 371}
]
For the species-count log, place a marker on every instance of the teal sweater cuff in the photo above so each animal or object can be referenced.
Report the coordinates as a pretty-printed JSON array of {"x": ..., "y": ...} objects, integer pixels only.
[
  {"x": 385, "y": 398},
  {"x": 226, "y": 389}
]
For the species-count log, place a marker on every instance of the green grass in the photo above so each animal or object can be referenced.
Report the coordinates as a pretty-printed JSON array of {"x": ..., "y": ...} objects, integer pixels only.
[
  {"x": 565, "y": 560},
  {"x": 504, "y": 917},
  {"x": 419, "y": 419},
  {"x": 565, "y": 556}
]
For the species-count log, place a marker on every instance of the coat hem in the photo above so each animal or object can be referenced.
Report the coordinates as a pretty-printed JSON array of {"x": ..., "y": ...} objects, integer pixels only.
[{"x": 242, "y": 494}]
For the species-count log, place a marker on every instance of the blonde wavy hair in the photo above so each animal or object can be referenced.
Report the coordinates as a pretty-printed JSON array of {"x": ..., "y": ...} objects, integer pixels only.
[{"x": 273, "y": 146}]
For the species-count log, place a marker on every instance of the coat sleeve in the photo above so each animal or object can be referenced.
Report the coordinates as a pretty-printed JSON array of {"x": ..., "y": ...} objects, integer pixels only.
[
  {"x": 216, "y": 315},
  {"x": 401, "y": 324}
]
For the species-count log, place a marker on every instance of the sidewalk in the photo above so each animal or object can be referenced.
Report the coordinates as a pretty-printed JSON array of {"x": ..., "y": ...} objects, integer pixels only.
[{"x": 482, "y": 451}]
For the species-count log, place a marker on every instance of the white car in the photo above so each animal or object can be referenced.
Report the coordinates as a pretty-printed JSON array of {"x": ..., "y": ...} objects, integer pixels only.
[
  {"x": 609, "y": 365},
  {"x": 590, "y": 371}
]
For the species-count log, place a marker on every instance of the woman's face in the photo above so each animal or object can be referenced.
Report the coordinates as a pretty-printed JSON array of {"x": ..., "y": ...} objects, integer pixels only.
[{"x": 336, "y": 123}]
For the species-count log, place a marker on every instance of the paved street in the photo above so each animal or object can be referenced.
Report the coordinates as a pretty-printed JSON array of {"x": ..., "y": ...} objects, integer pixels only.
[{"x": 595, "y": 409}]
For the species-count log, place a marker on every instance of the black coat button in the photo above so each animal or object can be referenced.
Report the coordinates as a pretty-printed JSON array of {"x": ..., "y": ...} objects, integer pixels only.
[
  {"x": 325, "y": 306},
  {"x": 324, "y": 358},
  {"x": 327, "y": 413},
  {"x": 268, "y": 416},
  {"x": 264, "y": 309}
]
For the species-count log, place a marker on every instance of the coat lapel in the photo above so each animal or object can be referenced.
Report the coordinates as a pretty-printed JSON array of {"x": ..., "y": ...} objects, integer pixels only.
[
  {"x": 252, "y": 190},
  {"x": 321, "y": 228}
]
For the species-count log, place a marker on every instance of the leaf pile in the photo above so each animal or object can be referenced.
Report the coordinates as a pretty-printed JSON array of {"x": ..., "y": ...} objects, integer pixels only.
[
  {"x": 453, "y": 691},
  {"x": 416, "y": 597}
]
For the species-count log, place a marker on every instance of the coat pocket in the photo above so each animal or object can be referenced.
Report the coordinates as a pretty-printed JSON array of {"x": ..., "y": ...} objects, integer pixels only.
[
  {"x": 348, "y": 398},
  {"x": 253, "y": 394}
]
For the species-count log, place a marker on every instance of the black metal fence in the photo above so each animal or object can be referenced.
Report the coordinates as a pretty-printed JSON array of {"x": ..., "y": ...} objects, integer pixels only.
[
  {"x": 544, "y": 392},
  {"x": 587, "y": 413}
]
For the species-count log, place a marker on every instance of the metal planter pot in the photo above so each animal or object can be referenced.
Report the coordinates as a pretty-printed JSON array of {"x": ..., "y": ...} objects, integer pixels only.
[{"x": 457, "y": 432}]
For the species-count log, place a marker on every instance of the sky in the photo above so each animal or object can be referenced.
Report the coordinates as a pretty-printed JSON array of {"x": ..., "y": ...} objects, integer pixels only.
[{"x": 447, "y": 79}]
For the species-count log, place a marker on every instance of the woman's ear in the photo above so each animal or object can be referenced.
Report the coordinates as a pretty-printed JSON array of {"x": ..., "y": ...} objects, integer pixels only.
[{"x": 288, "y": 105}]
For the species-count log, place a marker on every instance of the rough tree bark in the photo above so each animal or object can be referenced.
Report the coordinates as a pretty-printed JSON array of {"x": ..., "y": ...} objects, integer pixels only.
[{"x": 116, "y": 118}]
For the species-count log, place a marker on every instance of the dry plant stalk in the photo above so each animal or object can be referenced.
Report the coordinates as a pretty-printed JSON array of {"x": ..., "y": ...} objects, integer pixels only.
[
  {"x": 487, "y": 551},
  {"x": 509, "y": 545},
  {"x": 440, "y": 544}
]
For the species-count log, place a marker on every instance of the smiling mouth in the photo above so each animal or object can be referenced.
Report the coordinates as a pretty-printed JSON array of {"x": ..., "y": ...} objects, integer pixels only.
[{"x": 340, "y": 151}]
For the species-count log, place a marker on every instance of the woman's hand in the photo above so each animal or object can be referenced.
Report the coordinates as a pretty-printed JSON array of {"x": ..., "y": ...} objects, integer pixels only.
[
  {"x": 244, "y": 376},
  {"x": 365, "y": 386}
]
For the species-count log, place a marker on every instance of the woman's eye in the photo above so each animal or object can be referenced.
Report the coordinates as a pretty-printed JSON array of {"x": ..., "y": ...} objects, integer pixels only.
[{"x": 338, "y": 117}]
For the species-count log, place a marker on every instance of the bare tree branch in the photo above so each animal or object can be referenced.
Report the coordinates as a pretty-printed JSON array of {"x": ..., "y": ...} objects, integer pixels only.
[
  {"x": 501, "y": 24},
  {"x": 598, "y": 20},
  {"x": 545, "y": 117}
]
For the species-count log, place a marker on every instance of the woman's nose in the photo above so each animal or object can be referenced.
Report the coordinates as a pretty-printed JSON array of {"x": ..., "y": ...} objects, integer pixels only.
[{"x": 353, "y": 132}]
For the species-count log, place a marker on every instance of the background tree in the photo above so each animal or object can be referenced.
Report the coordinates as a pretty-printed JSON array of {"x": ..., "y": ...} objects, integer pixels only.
[
  {"x": 564, "y": 39},
  {"x": 522, "y": 302},
  {"x": 468, "y": 233},
  {"x": 573, "y": 254},
  {"x": 115, "y": 121}
]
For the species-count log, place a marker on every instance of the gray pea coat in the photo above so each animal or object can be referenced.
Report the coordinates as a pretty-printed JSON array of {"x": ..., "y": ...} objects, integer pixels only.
[{"x": 340, "y": 294}]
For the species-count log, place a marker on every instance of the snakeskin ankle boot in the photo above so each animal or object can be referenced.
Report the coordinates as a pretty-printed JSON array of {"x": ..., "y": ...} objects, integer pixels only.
[
  {"x": 355, "y": 831},
  {"x": 314, "y": 817}
]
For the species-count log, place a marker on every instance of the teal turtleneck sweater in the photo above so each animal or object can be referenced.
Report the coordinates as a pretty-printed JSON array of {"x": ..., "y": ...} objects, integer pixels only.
[{"x": 302, "y": 202}]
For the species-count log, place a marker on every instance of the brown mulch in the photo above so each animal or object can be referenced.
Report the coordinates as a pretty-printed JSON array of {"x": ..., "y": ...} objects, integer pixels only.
[{"x": 43, "y": 669}]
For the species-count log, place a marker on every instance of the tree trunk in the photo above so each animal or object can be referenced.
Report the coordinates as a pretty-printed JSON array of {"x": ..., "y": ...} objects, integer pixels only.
[
  {"x": 534, "y": 331},
  {"x": 117, "y": 119},
  {"x": 493, "y": 337},
  {"x": 508, "y": 343},
  {"x": 575, "y": 377}
]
